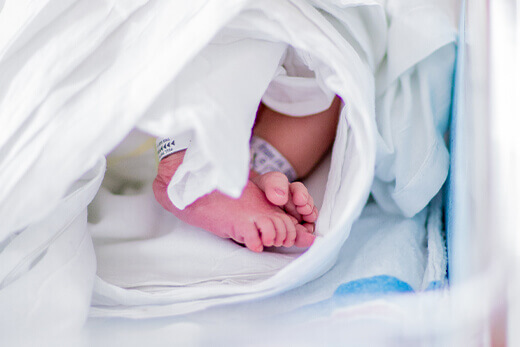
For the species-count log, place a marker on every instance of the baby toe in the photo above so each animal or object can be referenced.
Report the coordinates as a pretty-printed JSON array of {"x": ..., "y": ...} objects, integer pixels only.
[
  {"x": 311, "y": 217},
  {"x": 275, "y": 186},
  {"x": 303, "y": 237},
  {"x": 305, "y": 210},
  {"x": 290, "y": 226},
  {"x": 293, "y": 220},
  {"x": 299, "y": 193},
  {"x": 267, "y": 230},
  {"x": 252, "y": 239},
  {"x": 281, "y": 231}
]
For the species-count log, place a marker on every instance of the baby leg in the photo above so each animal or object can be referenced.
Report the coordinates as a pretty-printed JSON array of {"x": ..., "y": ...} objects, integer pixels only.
[{"x": 303, "y": 141}]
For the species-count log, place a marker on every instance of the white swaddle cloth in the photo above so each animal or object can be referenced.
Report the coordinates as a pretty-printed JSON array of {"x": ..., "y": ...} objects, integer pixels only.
[
  {"x": 64, "y": 105},
  {"x": 221, "y": 89},
  {"x": 295, "y": 90},
  {"x": 91, "y": 95}
]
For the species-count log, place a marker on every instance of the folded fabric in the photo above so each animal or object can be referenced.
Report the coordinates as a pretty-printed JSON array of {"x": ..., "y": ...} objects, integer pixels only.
[
  {"x": 78, "y": 76},
  {"x": 295, "y": 89},
  {"x": 410, "y": 47}
]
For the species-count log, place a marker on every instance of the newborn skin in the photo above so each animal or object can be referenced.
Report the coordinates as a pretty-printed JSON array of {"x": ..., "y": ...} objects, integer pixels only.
[
  {"x": 268, "y": 213},
  {"x": 294, "y": 197}
]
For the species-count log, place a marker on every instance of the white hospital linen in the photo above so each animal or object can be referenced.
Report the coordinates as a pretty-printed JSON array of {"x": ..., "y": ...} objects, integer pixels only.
[
  {"x": 221, "y": 89},
  {"x": 63, "y": 105},
  {"x": 78, "y": 75},
  {"x": 114, "y": 293},
  {"x": 47, "y": 270},
  {"x": 414, "y": 89},
  {"x": 413, "y": 114},
  {"x": 296, "y": 90},
  {"x": 411, "y": 53},
  {"x": 215, "y": 97},
  {"x": 108, "y": 296},
  {"x": 137, "y": 258}
]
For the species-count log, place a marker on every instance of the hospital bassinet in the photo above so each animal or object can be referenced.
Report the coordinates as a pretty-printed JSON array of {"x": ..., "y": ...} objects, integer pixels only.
[
  {"x": 481, "y": 307},
  {"x": 311, "y": 305}
]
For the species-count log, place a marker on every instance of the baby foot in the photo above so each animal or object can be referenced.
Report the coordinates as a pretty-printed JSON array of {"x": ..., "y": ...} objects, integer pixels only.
[
  {"x": 293, "y": 197},
  {"x": 250, "y": 219}
]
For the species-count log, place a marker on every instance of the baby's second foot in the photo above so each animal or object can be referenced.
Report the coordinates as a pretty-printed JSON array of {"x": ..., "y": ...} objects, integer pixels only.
[{"x": 293, "y": 197}]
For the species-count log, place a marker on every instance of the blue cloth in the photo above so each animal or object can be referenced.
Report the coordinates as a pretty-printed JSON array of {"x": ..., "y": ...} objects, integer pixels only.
[{"x": 372, "y": 285}]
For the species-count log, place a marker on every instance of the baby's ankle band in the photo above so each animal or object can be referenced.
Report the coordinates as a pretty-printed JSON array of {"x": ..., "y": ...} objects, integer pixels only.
[
  {"x": 167, "y": 146},
  {"x": 265, "y": 158}
]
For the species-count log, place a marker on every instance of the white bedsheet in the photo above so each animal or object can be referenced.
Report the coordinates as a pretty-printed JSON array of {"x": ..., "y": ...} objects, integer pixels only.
[
  {"x": 250, "y": 46},
  {"x": 78, "y": 76}
]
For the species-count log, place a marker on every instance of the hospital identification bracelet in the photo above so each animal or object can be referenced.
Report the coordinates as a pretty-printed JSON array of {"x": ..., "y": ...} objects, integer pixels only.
[
  {"x": 265, "y": 158},
  {"x": 167, "y": 146}
]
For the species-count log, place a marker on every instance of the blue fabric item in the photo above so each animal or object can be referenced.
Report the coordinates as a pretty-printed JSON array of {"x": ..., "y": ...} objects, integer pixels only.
[
  {"x": 373, "y": 285},
  {"x": 351, "y": 293}
]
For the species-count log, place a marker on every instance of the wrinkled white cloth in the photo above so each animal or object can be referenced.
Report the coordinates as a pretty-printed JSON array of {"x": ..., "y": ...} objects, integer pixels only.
[
  {"x": 134, "y": 258},
  {"x": 410, "y": 46},
  {"x": 295, "y": 90},
  {"x": 78, "y": 76},
  {"x": 203, "y": 99},
  {"x": 215, "y": 97},
  {"x": 221, "y": 89}
]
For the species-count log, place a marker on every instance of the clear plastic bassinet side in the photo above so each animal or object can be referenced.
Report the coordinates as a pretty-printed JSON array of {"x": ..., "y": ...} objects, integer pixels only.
[{"x": 483, "y": 190}]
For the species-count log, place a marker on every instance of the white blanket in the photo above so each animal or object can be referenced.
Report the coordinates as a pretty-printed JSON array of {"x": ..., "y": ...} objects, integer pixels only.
[{"x": 78, "y": 75}]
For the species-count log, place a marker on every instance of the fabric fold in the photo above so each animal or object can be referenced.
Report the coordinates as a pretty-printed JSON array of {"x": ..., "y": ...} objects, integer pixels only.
[{"x": 79, "y": 76}]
